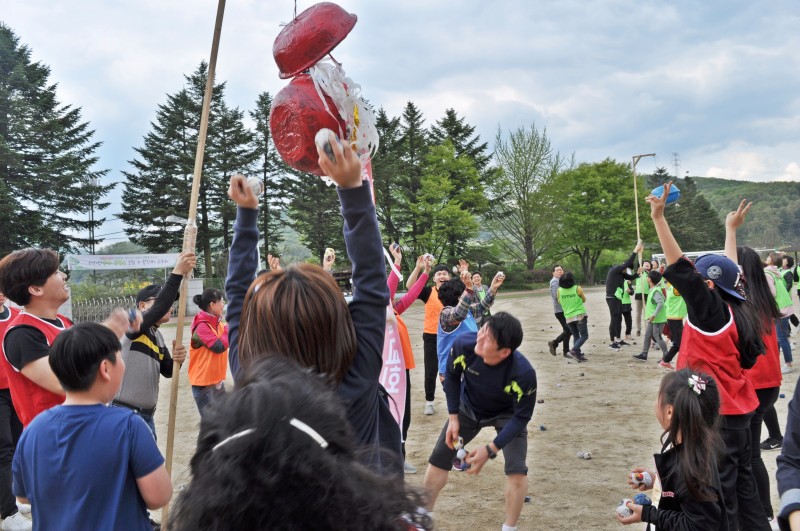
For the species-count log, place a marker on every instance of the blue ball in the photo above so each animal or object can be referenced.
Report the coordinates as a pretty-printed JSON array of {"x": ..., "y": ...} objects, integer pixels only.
[
  {"x": 543, "y": 427},
  {"x": 642, "y": 499},
  {"x": 782, "y": 395},
  {"x": 674, "y": 193}
]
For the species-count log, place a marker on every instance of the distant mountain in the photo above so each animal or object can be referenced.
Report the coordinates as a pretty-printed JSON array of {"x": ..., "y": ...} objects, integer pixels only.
[{"x": 774, "y": 220}]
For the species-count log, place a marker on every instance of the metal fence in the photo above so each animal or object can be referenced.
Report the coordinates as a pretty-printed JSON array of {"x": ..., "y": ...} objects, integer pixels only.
[{"x": 95, "y": 310}]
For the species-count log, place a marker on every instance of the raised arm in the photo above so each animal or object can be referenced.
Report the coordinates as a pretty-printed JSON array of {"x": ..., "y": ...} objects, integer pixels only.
[
  {"x": 242, "y": 262},
  {"x": 672, "y": 251},
  {"x": 733, "y": 221}
]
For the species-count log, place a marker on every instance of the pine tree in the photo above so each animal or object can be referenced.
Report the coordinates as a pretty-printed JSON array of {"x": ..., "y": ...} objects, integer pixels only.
[
  {"x": 386, "y": 168},
  {"x": 164, "y": 170},
  {"x": 412, "y": 150},
  {"x": 271, "y": 169},
  {"x": 463, "y": 137},
  {"x": 230, "y": 150},
  {"x": 47, "y": 182},
  {"x": 693, "y": 221},
  {"x": 314, "y": 213}
]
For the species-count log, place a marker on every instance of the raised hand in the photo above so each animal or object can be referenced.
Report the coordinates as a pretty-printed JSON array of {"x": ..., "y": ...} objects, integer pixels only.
[
  {"x": 397, "y": 252},
  {"x": 241, "y": 193},
  {"x": 274, "y": 263},
  {"x": 735, "y": 219},
  {"x": 657, "y": 203},
  {"x": 346, "y": 171},
  {"x": 186, "y": 262}
]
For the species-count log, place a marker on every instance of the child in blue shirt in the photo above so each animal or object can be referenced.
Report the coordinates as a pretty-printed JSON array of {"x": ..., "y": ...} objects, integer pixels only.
[{"x": 83, "y": 465}]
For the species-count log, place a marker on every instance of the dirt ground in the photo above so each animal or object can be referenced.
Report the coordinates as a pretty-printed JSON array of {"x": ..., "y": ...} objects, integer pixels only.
[{"x": 604, "y": 406}]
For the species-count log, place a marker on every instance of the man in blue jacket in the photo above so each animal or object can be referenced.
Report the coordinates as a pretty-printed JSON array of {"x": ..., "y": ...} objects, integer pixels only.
[{"x": 488, "y": 383}]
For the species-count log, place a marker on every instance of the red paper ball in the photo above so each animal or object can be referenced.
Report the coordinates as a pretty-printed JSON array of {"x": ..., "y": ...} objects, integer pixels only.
[{"x": 297, "y": 114}]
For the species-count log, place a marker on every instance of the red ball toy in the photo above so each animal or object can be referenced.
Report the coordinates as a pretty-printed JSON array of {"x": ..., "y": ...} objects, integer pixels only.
[{"x": 297, "y": 114}]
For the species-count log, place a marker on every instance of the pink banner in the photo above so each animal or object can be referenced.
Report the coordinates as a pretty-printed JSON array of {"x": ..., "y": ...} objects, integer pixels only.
[{"x": 393, "y": 373}]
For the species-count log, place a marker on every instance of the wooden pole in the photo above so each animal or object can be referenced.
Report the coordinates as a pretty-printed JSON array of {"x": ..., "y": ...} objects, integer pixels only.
[
  {"x": 189, "y": 239},
  {"x": 636, "y": 199}
]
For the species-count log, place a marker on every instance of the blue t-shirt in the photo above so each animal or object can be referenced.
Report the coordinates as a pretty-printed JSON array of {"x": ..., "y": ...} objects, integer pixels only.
[{"x": 78, "y": 467}]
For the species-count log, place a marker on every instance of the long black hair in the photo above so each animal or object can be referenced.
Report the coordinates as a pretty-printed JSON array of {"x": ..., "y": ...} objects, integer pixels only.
[
  {"x": 278, "y": 453},
  {"x": 757, "y": 287},
  {"x": 693, "y": 430},
  {"x": 749, "y": 325}
]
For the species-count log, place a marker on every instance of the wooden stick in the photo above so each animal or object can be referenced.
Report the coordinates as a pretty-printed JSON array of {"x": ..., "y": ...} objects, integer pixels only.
[
  {"x": 635, "y": 159},
  {"x": 189, "y": 242}
]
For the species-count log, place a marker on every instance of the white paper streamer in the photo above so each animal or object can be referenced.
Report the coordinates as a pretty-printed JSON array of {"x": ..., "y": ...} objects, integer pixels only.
[{"x": 330, "y": 79}]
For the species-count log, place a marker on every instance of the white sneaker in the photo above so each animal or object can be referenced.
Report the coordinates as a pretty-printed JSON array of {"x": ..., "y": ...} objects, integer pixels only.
[
  {"x": 408, "y": 468},
  {"x": 24, "y": 508},
  {"x": 429, "y": 408},
  {"x": 786, "y": 369},
  {"x": 17, "y": 522}
]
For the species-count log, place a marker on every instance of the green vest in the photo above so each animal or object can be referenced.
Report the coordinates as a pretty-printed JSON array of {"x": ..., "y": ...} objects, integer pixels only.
[
  {"x": 676, "y": 306},
  {"x": 641, "y": 285},
  {"x": 782, "y": 296},
  {"x": 571, "y": 302},
  {"x": 651, "y": 307},
  {"x": 626, "y": 297}
]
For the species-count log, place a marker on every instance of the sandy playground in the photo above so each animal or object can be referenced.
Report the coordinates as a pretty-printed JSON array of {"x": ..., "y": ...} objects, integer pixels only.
[{"x": 604, "y": 406}]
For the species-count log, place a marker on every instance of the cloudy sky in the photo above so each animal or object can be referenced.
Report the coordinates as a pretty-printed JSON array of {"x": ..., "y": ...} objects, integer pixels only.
[{"x": 714, "y": 81}]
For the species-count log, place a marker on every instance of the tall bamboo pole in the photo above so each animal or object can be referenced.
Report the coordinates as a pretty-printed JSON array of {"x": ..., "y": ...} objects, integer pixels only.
[
  {"x": 189, "y": 240},
  {"x": 636, "y": 199}
]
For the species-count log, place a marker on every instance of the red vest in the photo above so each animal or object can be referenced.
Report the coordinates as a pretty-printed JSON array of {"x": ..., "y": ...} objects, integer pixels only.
[
  {"x": 717, "y": 354},
  {"x": 29, "y": 398},
  {"x": 12, "y": 313},
  {"x": 766, "y": 373}
]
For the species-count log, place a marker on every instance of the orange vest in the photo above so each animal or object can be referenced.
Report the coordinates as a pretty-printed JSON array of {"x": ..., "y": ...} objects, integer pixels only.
[
  {"x": 207, "y": 367},
  {"x": 29, "y": 398},
  {"x": 432, "y": 310},
  {"x": 405, "y": 342}
]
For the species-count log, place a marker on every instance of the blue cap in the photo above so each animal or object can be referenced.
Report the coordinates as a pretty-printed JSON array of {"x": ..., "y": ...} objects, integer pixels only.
[{"x": 723, "y": 272}]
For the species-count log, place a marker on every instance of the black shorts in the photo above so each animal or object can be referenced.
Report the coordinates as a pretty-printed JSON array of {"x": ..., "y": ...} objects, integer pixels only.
[{"x": 514, "y": 453}]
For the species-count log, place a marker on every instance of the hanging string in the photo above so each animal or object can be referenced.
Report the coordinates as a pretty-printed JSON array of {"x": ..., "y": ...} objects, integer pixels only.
[{"x": 295, "y": 10}]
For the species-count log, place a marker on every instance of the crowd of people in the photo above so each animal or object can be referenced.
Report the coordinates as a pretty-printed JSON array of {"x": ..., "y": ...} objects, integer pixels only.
[{"x": 310, "y": 438}]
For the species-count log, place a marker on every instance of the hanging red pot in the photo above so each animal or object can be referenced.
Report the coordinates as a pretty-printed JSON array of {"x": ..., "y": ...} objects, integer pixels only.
[{"x": 310, "y": 37}]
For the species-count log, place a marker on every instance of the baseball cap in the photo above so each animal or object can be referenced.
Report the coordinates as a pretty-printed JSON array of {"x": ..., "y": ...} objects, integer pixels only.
[
  {"x": 150, "y": 292},
  {"x": 723, "y": 272}
]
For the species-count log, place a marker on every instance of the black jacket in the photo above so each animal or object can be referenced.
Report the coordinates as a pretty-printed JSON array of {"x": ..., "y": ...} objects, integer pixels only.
[
  {"x": 677, "y": 510},
  {"x": 617, "y": 275}
]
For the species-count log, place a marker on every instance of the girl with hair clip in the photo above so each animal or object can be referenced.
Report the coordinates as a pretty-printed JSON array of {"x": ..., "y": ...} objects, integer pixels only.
[
  {"x": 691, "y": 500},
  {"x": 208, "y": 348},
  {"x": 722, "y": 337},
  {"x": 278, "y": 453},
  {"x": 299, "y": 312},
  {"x": 766, "y": 373}
]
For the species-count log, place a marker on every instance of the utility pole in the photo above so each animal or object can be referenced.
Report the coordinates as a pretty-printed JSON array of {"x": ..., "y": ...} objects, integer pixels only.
[{"x": 676, "y": 162}]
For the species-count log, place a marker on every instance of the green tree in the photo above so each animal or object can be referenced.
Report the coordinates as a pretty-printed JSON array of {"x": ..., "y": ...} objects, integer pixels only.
[
  {"x": 314, "y": 213},
  {"x": 524, "y": 213},
  {"x": 387, "y": 167},
  {"x": 445, "y": 209},
  {"x": 164, "y": 169},
  {"x": 412, "y": 151},
  {"x": 47, "y": 155},
  {"x": 596, "y": 211},
  {"x": 462, "y": 135},
  {"x": 271, "y": 170}
]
